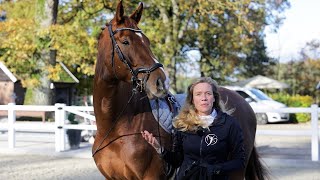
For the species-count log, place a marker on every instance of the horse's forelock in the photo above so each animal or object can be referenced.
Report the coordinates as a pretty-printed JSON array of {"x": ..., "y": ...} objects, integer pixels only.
[{"x": 130, "y": 23}]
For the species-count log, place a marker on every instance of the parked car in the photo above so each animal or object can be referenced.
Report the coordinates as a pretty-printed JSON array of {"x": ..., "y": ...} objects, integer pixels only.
[{"x": 258, "y": 99}]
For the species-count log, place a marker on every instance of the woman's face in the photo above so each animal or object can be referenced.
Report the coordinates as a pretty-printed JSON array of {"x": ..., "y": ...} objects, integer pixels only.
[{"x": 203, "y": 98}]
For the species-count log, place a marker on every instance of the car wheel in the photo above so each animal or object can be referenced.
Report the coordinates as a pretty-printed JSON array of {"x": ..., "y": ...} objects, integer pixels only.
[{"x": 262, "y": 118}]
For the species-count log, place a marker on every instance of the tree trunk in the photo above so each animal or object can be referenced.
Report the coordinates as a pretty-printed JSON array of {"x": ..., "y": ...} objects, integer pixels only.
[{"x": 47, "y": 15}]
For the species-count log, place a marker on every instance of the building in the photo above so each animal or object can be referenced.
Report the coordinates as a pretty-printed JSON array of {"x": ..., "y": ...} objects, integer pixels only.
[
  {"x": 65, "y": 87},
  {"x": 11, "y": 89}
]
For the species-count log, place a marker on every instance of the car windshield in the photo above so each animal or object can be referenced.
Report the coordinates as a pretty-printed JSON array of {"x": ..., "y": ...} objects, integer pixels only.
[{"x": 259, "y": 94}]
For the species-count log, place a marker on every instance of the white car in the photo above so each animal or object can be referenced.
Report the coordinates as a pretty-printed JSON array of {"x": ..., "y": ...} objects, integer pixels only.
[{"x": 258, "y": 99}]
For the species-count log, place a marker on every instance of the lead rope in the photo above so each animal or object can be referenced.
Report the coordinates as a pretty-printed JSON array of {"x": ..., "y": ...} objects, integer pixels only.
[
  {"x": 166, "y": 172},
  {"x": 114, "y": 124},
  {"x": 158, "y": 119}
]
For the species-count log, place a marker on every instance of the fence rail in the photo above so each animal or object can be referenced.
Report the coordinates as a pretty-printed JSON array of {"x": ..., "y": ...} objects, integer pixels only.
[{"x": 60, "y": 127}]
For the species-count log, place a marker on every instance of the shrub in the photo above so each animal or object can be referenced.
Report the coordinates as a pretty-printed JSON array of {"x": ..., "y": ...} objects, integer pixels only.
[
  {"x": 295, "y": 101},
  {"x": 281, "y": 97}
]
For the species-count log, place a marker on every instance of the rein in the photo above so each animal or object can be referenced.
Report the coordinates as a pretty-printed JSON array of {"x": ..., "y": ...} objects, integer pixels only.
[
  {"x": 138, "y": 83},
  {"x": 134, "y": 92},
  {"x": 113, "y": 125},
  {"x": 99, "y": 148}
]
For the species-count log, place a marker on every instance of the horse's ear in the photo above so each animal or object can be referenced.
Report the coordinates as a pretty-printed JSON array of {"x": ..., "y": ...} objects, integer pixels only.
[
  {"x": 119, "y": 13},
  {"x": 136, "y": 15}
]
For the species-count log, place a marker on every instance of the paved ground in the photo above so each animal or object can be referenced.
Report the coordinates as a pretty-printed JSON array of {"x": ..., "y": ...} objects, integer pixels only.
[
  {"x": 39, "y": 167},
  {"x": 288, "y": 158}
]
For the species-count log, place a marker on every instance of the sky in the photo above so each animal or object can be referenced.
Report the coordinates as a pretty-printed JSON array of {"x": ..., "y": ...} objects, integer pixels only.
[{"x": 301, "y": 25}]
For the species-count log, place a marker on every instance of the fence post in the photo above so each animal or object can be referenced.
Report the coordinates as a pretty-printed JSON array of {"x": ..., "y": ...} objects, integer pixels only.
[
  {"x": 60, "y": 116},
  {"x": 11, "y": 129},
  {"x": 314, "y": 129}
]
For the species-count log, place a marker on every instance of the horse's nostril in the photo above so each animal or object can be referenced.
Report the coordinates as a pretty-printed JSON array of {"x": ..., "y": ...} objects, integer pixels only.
[{"x": 159, "y": 84}]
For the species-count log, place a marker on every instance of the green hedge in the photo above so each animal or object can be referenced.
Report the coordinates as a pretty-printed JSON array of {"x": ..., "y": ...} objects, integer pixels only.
[
  {"x": 28, "y": 97},
  {"x": 295, "y": 101}
]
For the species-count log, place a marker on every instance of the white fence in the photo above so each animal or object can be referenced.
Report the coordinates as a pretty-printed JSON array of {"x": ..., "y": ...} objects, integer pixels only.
[
  {"x": 60, "y": 127},
  {"x": 313, "y": 132}
]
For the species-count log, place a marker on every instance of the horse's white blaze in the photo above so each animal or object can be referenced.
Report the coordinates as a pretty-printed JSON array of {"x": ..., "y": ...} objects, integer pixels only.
[
  {"x": 140, "y": 35},
  {"x": 155, "y": 60}
]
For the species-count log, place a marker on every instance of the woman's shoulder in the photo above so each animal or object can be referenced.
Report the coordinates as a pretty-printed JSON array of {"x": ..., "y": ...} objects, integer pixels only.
[
  {"x": 229, "y": 119},
  {"x": 224, "y": 116}
]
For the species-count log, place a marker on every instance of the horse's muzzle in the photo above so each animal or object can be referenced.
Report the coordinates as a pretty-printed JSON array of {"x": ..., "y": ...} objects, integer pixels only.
[{"x": 156, "y": 89}]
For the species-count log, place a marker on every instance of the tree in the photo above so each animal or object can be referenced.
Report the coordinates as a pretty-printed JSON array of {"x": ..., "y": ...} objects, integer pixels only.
[
  {"x": 46, "y": 14},
  {"x": 231, "y": 40},
  {"x": 228, "y": 35},
  {"x": 24, "y": 42},
  {"x": 256, "y": 61},
  {"x": 311, "y": 50},
  {"x": 303, "y": 74}
]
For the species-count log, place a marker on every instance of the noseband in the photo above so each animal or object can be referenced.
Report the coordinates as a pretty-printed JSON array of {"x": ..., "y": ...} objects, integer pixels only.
[{"x": 138, "y": 84}]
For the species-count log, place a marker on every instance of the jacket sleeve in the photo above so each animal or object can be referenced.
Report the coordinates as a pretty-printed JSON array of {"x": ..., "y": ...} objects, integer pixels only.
[
  {"x": 236, "y": 151},
  {"x": 174, "y": 157}
]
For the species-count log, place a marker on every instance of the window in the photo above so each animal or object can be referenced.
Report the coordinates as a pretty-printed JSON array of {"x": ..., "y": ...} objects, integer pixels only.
[
  {"x": 243, "y": 94},
  {"x": 260, "y": 95}
]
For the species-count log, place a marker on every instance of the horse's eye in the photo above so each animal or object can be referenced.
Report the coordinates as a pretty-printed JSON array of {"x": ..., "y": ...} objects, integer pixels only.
[{"x": 125, "y": 42}]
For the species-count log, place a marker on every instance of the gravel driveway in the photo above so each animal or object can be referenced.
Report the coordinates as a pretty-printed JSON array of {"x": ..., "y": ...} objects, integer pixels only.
[
  {"x": 288, "y": 158},
  {"x": 34, "y": 167}
]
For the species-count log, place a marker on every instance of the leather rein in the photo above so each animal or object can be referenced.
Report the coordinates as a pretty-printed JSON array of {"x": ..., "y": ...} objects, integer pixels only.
[{"x": 138, "y": 84}]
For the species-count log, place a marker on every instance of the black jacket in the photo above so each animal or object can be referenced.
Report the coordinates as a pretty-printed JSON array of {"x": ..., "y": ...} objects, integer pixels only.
[{"x": 208, "y": 154}]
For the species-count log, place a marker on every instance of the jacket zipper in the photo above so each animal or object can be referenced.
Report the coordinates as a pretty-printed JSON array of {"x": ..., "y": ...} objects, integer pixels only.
[{"x": 201, "y": 142}]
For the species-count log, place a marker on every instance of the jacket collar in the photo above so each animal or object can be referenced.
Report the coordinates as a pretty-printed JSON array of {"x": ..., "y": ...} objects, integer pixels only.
[{"x": 220, "y": 118}]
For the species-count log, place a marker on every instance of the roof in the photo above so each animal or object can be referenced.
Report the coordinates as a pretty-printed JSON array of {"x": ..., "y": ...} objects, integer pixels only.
[
  {"x": 262, "y": 82},
  {"x": 234, "y": 88},
  {"x": 6, "y": 74},
  {"x": 65, "y": 76}
]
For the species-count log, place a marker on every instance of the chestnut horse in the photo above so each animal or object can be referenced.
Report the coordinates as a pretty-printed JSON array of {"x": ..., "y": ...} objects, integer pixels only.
[{"x": 127, "y": 75}]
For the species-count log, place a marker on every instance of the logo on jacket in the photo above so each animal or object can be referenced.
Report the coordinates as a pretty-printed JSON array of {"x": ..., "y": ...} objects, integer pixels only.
[{"x": 211, "y": 139}]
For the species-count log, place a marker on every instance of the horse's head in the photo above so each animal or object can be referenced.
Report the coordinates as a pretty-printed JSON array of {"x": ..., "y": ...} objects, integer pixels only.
[{"x": 125, "y": 52}]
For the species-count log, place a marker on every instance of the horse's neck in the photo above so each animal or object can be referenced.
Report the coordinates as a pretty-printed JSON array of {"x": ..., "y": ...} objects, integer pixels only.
[
  {"x": 112, "y": 99},
  {"x": 104, "y": 93}
]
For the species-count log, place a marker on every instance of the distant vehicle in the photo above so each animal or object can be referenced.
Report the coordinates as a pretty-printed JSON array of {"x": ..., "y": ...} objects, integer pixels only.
[{"x": 258, "y": 99}]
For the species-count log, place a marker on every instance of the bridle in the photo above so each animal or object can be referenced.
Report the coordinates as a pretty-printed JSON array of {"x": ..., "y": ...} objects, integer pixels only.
[{"x": 138, "y": 84}]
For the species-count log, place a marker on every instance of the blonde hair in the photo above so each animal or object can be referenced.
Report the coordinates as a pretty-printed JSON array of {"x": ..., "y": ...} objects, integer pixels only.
[{"x": 188, "y": 119}]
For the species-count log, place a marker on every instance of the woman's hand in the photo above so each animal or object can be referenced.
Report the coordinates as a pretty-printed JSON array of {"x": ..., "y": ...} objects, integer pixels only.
[{"x": 151, "y": 140}]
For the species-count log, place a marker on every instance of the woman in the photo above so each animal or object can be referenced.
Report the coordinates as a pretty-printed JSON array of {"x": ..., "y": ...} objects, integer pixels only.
[{"x": 208, "y": 143}]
